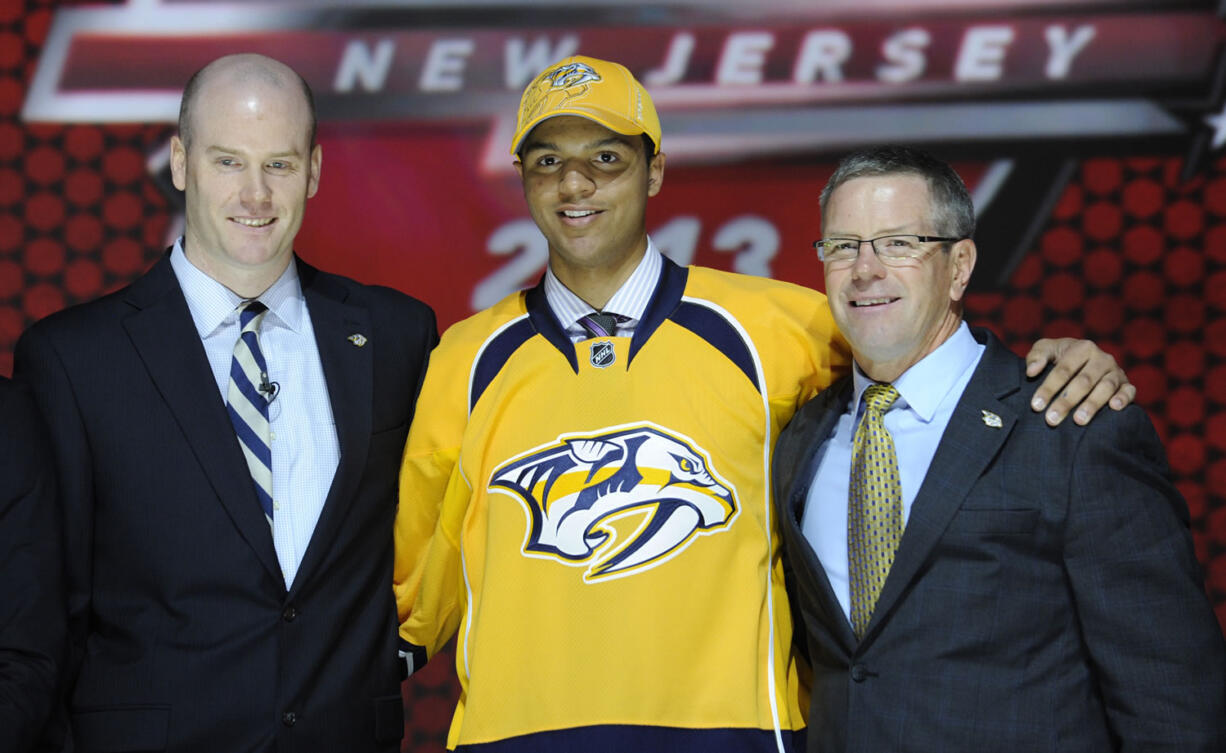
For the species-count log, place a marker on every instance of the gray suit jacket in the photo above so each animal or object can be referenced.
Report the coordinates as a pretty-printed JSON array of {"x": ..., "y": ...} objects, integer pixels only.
[{"x": 1045, "y": 595}]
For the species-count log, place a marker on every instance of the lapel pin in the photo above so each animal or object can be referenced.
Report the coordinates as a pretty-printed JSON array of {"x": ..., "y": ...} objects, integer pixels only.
[
  {"x": 357, "y": 338},
  {"x": 992, "y": 420}
]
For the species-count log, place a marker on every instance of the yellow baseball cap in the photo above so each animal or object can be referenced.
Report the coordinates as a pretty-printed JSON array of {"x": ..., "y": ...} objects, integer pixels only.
[{"x": 599, "y": 90}]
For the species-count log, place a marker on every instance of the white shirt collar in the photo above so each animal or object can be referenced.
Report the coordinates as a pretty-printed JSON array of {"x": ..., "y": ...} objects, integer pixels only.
[
  {"x": 630, "y": 300},
  {"x": 213, "y": 305},
  {"x": 923, "y": 386}
]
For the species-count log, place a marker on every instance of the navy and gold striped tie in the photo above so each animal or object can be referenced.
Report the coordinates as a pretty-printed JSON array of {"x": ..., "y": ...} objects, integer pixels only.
[
  {"x": 874, "y": 512},
  {"x": 247, "y": 405}
]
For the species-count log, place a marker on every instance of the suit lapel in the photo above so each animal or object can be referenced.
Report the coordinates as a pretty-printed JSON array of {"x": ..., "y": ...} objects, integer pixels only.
[
  {"x": 349, "y": 373},
  {"x": 817, "y": 420},
  {"x": 967, "y": 447},
  {"x": 167, "y": 342}
]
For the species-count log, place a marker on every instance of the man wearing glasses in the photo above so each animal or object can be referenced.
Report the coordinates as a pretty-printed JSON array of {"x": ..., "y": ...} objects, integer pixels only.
[{"x": 970, "y": 578}]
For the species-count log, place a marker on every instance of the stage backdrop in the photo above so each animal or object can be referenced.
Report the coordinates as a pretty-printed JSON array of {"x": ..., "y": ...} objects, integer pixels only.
[{"x": 1090, "y": 132}]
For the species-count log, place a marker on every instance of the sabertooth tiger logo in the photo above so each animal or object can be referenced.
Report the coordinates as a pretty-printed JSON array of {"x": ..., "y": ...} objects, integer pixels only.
[
  {"x": 571, "y": 75},
  {"x": 576, "y": 488},
  {"x": 557, "y": 87}
]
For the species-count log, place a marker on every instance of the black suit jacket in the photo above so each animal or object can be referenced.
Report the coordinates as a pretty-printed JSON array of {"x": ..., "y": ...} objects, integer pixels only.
[
  {"x": 1044, "y": 597},
  {"x": 183, "y": 635},
  {"x": 31, "y": 583}
]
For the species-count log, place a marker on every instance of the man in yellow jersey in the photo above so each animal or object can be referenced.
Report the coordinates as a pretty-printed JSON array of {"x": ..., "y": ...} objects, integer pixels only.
[{"x": 585, "y": 488}]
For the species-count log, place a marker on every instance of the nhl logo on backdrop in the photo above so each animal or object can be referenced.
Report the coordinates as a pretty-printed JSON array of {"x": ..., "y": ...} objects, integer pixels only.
[{"x": 602, "y": 354}]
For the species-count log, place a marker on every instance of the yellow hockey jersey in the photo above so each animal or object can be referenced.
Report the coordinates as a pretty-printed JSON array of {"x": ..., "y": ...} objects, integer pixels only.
[{"x": 595, "y": 519}]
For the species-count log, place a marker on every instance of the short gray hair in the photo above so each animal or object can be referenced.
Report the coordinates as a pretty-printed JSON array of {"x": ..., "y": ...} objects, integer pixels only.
[{"x": 952, "y": 208}]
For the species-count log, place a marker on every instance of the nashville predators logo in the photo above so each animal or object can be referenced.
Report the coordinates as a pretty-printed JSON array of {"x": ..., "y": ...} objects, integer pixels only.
[
  {"x": 571, "y": 75},
  {"x": 619, "y": 501},
  {"x": 553, "y": 89}
]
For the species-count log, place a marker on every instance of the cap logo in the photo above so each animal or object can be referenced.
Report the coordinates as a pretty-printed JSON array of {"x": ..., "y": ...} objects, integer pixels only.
[
  {"x": 568, "y": 81},
  {"x": 572, "y": 74}
]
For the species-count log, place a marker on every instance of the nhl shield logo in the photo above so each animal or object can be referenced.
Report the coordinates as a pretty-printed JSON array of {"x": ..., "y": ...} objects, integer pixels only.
[{"x": 602, "y": 354}]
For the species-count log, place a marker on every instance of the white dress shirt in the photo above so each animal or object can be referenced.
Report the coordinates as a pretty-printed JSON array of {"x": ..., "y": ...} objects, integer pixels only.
[
  {"x": 630, "y": 300},
  {"x": 305, "y": 450},
  {"x": 928, "y": 393}
]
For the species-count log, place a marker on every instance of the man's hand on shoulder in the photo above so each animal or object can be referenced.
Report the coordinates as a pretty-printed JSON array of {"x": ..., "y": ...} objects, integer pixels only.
[{"x": 1085, "y": 377}]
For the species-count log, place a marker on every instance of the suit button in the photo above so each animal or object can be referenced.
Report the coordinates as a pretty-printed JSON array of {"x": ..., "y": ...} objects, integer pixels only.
[
  {"x": 289, "y": 719},
  {"x": 290, "y": 614},
  {"x": 859, "y": 673}
]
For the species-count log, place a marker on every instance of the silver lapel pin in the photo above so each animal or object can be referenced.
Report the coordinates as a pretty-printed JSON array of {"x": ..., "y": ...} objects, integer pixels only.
[
  {"x": 992, "y": 420},
  {"x": 357, "y": 338}
]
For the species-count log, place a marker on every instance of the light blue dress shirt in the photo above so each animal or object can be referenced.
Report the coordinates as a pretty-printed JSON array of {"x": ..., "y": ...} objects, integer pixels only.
[
  {"x": 305, "y": 450},
  {"x": 928, "y": 393},
  {"x": 630, "y": 300}
]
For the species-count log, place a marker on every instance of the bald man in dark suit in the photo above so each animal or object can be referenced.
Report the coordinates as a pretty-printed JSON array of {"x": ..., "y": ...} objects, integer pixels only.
[{"x": 228, "y": 431}]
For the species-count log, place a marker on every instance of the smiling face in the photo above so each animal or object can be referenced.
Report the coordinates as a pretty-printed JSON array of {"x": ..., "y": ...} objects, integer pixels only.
[
  {"x": 247, "y": 172},
  {"x": 587, "y": 190},
  {"x": 892, "y": 315}
]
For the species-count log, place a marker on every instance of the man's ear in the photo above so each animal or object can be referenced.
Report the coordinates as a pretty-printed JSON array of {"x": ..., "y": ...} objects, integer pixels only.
[
  {"x": 316, "y": 164},
  {"x": 178, "y": 163},
  {"x": 655, "y": 175},
  {"x": 962, "y": 263}
]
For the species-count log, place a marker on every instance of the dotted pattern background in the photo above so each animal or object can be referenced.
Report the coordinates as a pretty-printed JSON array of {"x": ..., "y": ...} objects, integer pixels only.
[
  {"x": 1131, "y": 257},
  {"x": 1136, "y": 260},
  {"x": 79, "y": 216}
]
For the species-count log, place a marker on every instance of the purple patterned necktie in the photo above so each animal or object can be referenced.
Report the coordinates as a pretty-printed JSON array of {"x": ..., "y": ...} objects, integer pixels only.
[{"x": 597, "y": 324}]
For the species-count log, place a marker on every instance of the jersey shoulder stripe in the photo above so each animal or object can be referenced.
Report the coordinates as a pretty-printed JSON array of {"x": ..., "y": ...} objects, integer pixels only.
[
  {"x": 712, "y": 327},
  {"x": 497, "y": 351}
]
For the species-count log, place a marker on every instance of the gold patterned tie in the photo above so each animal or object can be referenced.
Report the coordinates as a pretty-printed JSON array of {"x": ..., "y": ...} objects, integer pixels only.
[{"x": 874, "y": 512}]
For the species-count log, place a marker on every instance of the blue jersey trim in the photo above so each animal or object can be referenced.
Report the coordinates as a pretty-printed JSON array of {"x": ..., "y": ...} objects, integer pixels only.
[
  {"x": 495, "y": 356},
  {"x": 414, "y": 656},
  {"x": 613, "y": 738},
  {"x": 547, "y": 324},
  {"x": 710, "y": 326},
  {"x": 663, "y": 303},
  {"x": 666, "y": 303}
]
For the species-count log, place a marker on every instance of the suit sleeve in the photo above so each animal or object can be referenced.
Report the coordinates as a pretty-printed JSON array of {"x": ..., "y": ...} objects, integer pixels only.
[
  {"x": 32, "y": 620},
  {"x": 39, "y": 366},
  {"x": 433, "y": 500},
  {"x": 1152, "y": 637}
]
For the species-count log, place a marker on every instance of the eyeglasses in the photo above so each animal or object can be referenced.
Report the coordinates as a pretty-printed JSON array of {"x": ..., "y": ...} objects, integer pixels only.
[{"x": 890, "y": 249}]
